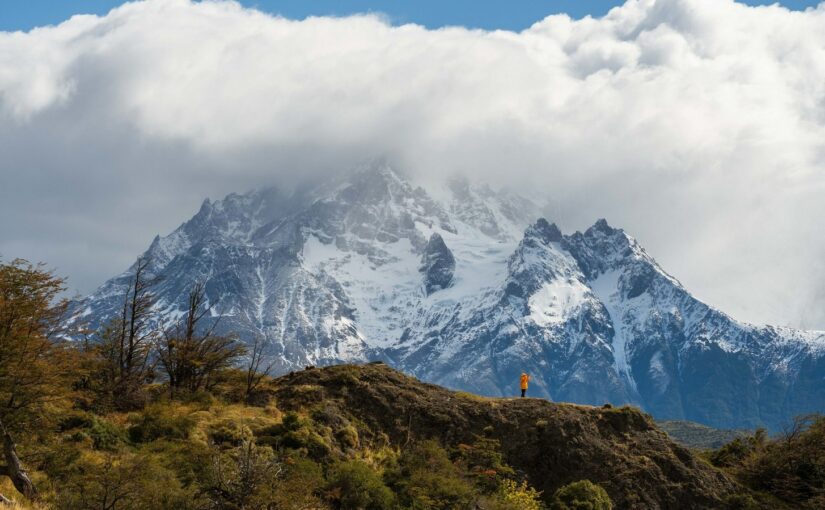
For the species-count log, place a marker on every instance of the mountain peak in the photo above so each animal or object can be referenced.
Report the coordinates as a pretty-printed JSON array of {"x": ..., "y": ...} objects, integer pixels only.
[
  {"x": 547, "y": 232},
  {"x": 602, "y": 226},
  {"x": 437, "y": 264},
  {"x": 469, "y": 291},
  {"x": 379, "y": 169}
]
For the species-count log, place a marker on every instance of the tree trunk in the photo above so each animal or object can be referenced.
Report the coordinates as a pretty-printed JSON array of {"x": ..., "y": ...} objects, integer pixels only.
[{"x": 14, "y": 469}]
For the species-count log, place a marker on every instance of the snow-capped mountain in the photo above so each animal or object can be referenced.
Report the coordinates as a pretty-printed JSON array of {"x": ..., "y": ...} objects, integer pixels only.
[{"x": 467, "y": 287}]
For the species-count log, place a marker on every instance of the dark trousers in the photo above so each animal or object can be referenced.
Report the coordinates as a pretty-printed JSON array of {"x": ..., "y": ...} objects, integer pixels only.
[{"x": 523, "y": 391}]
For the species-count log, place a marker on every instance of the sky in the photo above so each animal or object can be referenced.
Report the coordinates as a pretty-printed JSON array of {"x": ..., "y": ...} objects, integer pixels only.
[
  {"x": 698, "y": 126},
  {"x": 489, "y": 15}
]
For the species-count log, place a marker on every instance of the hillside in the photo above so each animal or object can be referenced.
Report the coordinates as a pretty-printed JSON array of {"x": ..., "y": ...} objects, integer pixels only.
[
  {"x": 373, "y": 267},
  {"x": 553, "y": 444},
  {"x": 696, "y": 435}
]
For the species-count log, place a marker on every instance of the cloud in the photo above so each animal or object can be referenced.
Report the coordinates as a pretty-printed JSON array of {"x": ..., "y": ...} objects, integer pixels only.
[{"x": 696, "y": 125}]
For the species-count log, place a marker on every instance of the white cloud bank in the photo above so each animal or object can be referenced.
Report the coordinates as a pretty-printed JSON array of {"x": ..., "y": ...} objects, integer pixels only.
[{"x": 696, "y": 125}]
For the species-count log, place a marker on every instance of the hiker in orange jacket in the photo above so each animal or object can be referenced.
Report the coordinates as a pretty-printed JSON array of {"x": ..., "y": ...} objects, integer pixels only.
[{"x": 524, "y": 380}]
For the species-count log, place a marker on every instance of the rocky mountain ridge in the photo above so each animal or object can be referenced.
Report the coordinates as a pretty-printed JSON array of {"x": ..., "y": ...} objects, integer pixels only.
[{"x": 469, "y": 290}]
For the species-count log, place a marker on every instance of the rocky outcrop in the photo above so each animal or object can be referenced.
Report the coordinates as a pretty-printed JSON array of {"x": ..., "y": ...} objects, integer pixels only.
[{"x": 437, "y": 265}]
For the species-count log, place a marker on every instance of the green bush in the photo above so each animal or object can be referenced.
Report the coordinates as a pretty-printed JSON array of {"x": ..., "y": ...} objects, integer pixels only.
[
  {"x": 791, "y": 467},
  {"x": 103, "y": 434},
  {"x": 201, "y": 397},
  {"x": 354, "y": 484},
  {"x": 130, "y": 482},
  {"x": 581, "y": 495},
  {"x": 299, "y": 486},
  {"x": 156, "y": 422},
  {"x": 428, "y": 479},
  {"x": 292, "y": 421},
  {"x": 227, "y": 432},
  {"x": 735, "y": 452},
  {"x": 106, "y": 435},
  {"x": 347, "y": 436},
  {"x": 484, "y": 461},
  {"x": 514, "y": 496},
  {"x": 741, "y": 502},
  {"x": 294, "y": 433}
]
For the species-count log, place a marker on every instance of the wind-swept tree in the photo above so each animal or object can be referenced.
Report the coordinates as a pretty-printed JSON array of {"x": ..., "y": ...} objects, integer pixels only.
[
  {"x": 257, "y": 368},
  {"x": 35, "y": 371},
  {"x": 190, "y": 353},
  {"x": 243, "y": 477},
  {"x": 126, "y": 342}
]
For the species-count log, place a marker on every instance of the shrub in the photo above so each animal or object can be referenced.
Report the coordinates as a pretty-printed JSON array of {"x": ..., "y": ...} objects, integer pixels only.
[
  {"x": 244, "y": 477},
  {"x": 296, "y": 433},
  {"x": 514, "y": 496},
  {"x": 299, "y": 487},
  {"x": 126, "y": 482},
  {"x": 741, "y": 502},
  {"x": 348, "y": 436},
  {"x": 581, "y": 495},
  {"x": 103, "y": 434},
  {"x": 202, "y": 398},
  {"x": 106, "y": 435},
  {"x": 228, "y": 432},
  {"x": 484, "y": 461},
  {"x": 427, "y": 479},
  {"x": 354, "y": 484},
  {"x": 791, "y": 467},
  {"x": 157, "y": 422},
  {"x": 735, "y": 452},
  {"x": 292, "y": 421}
]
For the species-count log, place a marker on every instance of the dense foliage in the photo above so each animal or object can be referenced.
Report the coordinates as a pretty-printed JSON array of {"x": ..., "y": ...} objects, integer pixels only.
[
  {"x": 581, "y": 495},
  {"x": 789, "y": 467}
]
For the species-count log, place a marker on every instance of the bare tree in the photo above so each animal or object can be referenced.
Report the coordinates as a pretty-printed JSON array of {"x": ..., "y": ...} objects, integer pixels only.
[
  {"x": 255, "y": 374},
  {"x": 119, "y": 482},
  {"x": 127, "y": 342},
  {"x": 237, "y": 478},
  {"x": 190, "y": 355}
]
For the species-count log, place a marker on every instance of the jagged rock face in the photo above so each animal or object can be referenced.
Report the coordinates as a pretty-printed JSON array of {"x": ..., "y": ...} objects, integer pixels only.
[
  {"x": 469, "y": 290},
  {"x": 437, "y": 265}
]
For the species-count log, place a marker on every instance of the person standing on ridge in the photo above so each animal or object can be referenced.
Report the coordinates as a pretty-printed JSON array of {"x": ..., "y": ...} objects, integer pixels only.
[{"x": 524, "y": 380}]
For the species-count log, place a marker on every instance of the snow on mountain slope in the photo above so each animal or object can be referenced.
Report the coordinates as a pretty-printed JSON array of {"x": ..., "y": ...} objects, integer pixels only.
[{"x": 466, "y": 287}]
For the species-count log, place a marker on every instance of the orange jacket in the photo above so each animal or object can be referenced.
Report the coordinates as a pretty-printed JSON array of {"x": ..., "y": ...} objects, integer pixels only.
[{"x": 524, "y": 379}]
